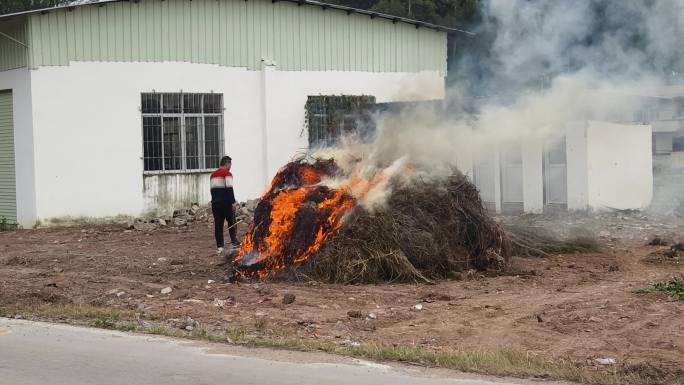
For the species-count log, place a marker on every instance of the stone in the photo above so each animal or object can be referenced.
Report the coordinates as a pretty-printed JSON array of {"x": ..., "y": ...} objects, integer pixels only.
[
  {"x": 166, "y": 290},
  {"x": 350, "y": 343},
  {"x": 372, "y": 316},
  {"x": 354, "y": 314},
  {"x": 162, "y": 259},
  {"x": 606, "y": 361},
  {"x": 161, "y": 222},
  {"x": 604, "y": 234},
  {"x": 189, "y": 328},
  {"x": 194, "y": 209},
  {"x": 418, "y": 307},
  {"x": 180, "y": 221},
  {"x": 288, "y": 299}
]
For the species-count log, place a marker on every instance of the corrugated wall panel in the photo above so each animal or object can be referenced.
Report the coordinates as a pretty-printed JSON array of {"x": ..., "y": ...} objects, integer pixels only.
[
  {"x": 8, "y": 195},
  {"x": 234, "y": 33},
  {"x": 12, "y": 54}
]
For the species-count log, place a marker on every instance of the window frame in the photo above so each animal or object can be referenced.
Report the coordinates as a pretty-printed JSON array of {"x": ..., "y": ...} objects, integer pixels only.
[{"x": 181, "y": 116}]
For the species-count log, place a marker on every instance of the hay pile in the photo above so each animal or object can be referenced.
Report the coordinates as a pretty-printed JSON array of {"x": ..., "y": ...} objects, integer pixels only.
[{"x": 425, "y": 232}]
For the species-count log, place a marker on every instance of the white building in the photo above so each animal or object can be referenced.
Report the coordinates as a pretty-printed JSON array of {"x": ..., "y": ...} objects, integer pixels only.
[
  {"x": 587, "y": 165},
  {"x": 122, "y": 107}
]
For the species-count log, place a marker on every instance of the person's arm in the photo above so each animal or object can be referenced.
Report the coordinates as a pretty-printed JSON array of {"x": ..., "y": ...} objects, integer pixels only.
[{"x": 231, "y": 192}]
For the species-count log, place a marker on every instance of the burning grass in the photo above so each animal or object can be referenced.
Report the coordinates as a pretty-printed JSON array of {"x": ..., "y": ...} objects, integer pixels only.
[{"x": 426, "y": 231}]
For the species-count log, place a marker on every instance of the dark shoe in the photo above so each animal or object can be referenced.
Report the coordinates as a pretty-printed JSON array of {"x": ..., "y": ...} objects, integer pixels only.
[{"x": 235, "y": 244}]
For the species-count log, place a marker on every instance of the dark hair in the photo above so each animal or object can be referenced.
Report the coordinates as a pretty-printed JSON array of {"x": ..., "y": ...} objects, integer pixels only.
[{"x": 225, "y": 160}]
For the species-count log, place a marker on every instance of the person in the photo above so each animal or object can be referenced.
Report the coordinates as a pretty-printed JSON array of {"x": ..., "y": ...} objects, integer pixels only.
[{"x": 223, "y": 203}]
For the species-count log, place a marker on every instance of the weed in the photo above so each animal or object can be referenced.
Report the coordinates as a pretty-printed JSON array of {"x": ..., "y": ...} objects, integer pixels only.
[
  {"x": 260, "y": 323},
  {"x": 674, "y": 288},
  {"x": 104, "y": 323},
  {"x": 6, "y": 225}
]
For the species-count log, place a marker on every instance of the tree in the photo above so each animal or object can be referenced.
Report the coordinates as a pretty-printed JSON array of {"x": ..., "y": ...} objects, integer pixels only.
[{"x": 11, "y": 6}]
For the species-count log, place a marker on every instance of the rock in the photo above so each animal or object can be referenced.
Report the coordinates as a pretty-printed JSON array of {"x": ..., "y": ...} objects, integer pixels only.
[
  {"x": 113, "y": 291},
  {"x": 161, "y": 222},
  {"x": 209, "y": 282},
  {"x": 539, "y": 318},
  {"x": 606, "y": 361},
  {"x": 51, "y": 284},
  {"x": 354, "y": 314},
  {"x": 288, "y": 299},
  {"x": 350, "y": 343},
  {"x": 194, "y": 209},
  {"x": 594, "y": 319},
  {"x": 166, "y": 290},
  {"x": 130, "y": 224},
  {"x": 142, "y": 225},
  {"x": 418, "y": 307},
  {"x": 372, "y": 316},
  {"x": 121, "y": 293},
  {"x": 251, "y": 204},
  {"x": 219, "y": 302},
  {"x": 179, "y": 221},
  {"x": 189, "y": 328},
  {"x": 162, "y": 259},
  {"x": 604, "y": 234}
]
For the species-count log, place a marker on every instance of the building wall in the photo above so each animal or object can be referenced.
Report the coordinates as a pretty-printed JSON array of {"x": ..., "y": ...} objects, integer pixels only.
[
  {"x": 233, "y": 33},
  {"x": 619, "y": 166},
  {"x": 88, "y": 134},
  {"x": 12, "y": 54},
  {"x": 19, "y": 82}
]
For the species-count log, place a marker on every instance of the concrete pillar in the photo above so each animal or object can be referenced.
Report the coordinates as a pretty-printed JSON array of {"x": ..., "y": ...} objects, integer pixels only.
[
  {"x": 268, "y": 70},
  {"x": 578, "y": 167},
  {"x": 533, "y": 178}
]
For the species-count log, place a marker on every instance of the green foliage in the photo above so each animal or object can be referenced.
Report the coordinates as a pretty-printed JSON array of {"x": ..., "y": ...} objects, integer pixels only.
[
  {"x": 6, "y": 225},
  {"x": 673, "y": 288},
  {"x": 11, "y": 6},
  {"x": 451, "y": 13}
]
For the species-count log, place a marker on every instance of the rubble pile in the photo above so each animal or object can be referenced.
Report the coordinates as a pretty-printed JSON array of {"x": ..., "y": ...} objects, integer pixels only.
[{"x": 244, "y": 214}]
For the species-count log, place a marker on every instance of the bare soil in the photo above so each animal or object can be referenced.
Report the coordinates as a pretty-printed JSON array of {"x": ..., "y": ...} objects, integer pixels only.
[{"x": 577, "y": 307}]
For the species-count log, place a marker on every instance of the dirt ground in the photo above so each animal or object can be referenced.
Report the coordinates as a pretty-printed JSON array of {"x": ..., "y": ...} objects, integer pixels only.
[{"x": 575, "y": 307}]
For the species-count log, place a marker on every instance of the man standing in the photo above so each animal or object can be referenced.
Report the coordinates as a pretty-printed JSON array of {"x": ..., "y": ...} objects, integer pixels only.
[{"x": 222, "y": 202}]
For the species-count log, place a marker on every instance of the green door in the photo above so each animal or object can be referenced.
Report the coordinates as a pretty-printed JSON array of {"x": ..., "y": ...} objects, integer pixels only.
[{"x": 8, "y": 191}]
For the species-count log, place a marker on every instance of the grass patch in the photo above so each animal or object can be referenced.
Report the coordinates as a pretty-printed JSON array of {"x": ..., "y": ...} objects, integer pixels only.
[
  {"x": 674, "y": 288},
  {"x": 505, "y": 362}
]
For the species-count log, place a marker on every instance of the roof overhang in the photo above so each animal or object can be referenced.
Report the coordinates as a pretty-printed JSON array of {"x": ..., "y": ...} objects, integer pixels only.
[{"x": 324, "y": 6}]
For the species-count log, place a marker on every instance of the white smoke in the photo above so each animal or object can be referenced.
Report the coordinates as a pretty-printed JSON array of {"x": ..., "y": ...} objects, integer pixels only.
[{"x": 549, "y": 63}]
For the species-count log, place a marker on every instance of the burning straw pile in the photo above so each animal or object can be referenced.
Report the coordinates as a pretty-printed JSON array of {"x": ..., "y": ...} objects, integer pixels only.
[{"x": 426, "y": 231}]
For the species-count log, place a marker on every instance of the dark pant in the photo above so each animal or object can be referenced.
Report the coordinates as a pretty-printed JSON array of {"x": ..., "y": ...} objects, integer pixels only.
[{"x": 222, "y": 212}]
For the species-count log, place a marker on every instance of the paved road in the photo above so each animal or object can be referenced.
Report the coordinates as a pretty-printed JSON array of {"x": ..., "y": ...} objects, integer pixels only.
[{"x": 33, "y": 353}]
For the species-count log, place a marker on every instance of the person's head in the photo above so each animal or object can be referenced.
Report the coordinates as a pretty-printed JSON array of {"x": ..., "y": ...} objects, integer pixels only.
[{"x": 226, "y": 162}]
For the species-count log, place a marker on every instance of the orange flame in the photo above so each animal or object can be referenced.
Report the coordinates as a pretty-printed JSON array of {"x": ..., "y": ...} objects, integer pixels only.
[{"x": 274, "y": 243}]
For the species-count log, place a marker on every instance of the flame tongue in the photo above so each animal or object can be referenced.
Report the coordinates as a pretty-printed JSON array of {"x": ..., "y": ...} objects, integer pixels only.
[{"x": 293, "y": 219}]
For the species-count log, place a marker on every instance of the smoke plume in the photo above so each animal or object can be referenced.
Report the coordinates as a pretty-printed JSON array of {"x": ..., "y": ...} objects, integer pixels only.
[{"x": 533, "y": 66}]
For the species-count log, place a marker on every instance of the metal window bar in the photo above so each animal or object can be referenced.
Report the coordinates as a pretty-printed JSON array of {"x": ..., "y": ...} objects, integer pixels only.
[{"x": 171, "y": 143}]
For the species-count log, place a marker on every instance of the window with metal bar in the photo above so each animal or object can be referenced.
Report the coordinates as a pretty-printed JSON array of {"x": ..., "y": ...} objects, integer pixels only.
[
  {"x": 329, "y": 117},
  {"x": 182, "y": 132}
]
